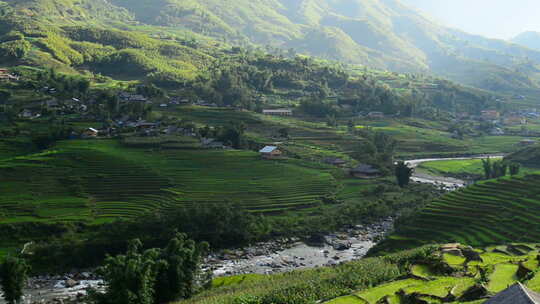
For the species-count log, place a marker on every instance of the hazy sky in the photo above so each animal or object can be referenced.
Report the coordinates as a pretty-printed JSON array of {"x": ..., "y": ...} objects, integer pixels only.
[{"x": 492, "y": 18}]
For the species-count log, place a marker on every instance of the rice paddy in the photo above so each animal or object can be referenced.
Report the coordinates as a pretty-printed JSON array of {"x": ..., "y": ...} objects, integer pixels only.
[
  {"x": 435, "y": 287},
  {"x": 96, "y": 181},
  {"x": 489, "y": 212}
]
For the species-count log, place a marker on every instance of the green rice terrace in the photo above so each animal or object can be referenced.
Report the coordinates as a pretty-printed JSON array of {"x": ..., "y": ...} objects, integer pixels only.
[
  {"x": 469, "y": 276},
  {"x": 450, "y": 273},
  {"x": 102, "y": 180},
  {"x": 489, "y": 212}
]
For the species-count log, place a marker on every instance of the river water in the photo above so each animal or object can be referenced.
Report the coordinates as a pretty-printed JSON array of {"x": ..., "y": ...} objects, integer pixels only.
[{"x": 264, "y": 258}]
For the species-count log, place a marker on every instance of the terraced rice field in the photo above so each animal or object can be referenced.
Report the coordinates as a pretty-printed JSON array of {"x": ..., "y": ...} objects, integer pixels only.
[
  {"x": 425, "y": 284},
  {"x": 97, "y": 181},
  {"x": 490, "y": 212}
]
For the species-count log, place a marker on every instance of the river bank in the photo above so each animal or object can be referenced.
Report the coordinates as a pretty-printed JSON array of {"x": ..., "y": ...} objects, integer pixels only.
[
  {"x": 287, "y": 255},
  {"x": 262, "y": 258}
]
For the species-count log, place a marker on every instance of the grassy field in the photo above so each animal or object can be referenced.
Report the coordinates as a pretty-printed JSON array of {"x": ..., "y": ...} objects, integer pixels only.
[
  {"x": 419, "y": 137},
  {"x": 101, "y": 180},
  {"x": 459, "y": 168},
  {"x": 419, "y": 279},
  {"x": 453, "y": 167},
  {"x": 489, "y": 212}
]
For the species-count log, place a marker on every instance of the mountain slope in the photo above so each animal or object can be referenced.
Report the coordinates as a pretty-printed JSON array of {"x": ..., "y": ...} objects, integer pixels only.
[
  {"x": 382, "y": 34},
  {"x": 528, "y": 39},
  {"x": 490, "y": 212}
]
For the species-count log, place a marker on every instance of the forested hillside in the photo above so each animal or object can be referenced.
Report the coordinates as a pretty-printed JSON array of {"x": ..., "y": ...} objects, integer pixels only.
[
  {"x": 181, "y": 37},
  {"x": 380, "y": 34}
]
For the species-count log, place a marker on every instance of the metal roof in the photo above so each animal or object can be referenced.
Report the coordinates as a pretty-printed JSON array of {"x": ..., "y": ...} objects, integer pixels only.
[
  {"x": 268, "y": 149},
  {"x": 515, "y": 294}
]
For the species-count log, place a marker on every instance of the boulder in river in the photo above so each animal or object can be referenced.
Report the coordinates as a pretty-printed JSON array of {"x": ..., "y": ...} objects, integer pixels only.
[{"x": 71, "y": 283}]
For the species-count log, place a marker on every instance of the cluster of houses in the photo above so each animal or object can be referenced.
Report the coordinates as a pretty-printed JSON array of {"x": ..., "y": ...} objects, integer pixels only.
[
  {"x": 5, "y": 75},
  {"x": 34, "y": 110},
  {"x": 129, "y": 97}
]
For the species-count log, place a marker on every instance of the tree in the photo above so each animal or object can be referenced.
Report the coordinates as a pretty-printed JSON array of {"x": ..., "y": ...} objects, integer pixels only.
[
  {"x": 403, "y": 174},
  {"x": 177, "y": 269},
  {"x": 486, "y": 164},
  {"x": 130, "y": 278},
  {"x": 4, "y": 95},
  {"x": 83, "y": 85},
  {"x": 153, "y": 276},
  {"x": 284, "y": 133},
  {"x": 13, "y": 276},
  {"x": 514, "y": 168}
]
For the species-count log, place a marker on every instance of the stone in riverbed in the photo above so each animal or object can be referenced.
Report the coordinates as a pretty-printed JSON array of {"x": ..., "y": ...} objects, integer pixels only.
[{"x": 71, "y": 283}]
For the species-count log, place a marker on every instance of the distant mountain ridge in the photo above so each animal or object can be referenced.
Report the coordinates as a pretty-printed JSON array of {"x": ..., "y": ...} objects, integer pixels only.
[
  {"x": 528, "y": 39},
  {"x": 383, "y": 34}
]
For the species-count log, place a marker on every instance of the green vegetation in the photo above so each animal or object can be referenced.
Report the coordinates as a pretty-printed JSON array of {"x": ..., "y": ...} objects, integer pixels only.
[
  {"x": 309, "y": 286},
  {"x": 105, "y": 180},
  {"x": 13, "y": 276},
  {"x": 489, "y": 212},
  {"x": 153, "y": 276},
  {"x": 423, "y": 274},
  {"x": 403, "y": 174},
  {"x": 529, "y": 157},
  {"x": 468, "y": 167}
]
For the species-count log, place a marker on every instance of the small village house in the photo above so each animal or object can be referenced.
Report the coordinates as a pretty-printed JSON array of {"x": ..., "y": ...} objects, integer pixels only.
[
  {"x": 496, "y": 131},
  {"x": 211, "y": 143},
  {"x": 376, "y": 115},
  {"x": 515, "y": 120},
  {"x": 52, "y": 104},
  {"x": 270, "y": 152},
  {"x": 6, "y": 76},
  {"x": 490, "y": 115},
  {"x": 146, "y": 125},
  {"x": 90, "y": 133},
  {"x": 29, "y": 114},
  {"x": 515, "y": 294},
  {"x": 335, "y": 161},
  {"x": 365, "y": 171},
  {"x": 278, "y": 112},
  {"x": 527, "y": 142}
]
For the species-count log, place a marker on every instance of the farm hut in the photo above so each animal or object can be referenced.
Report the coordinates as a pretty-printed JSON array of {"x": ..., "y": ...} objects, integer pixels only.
[
  {"x": 26, "y": 113},
  {"x": 146, "y": 125},
  {"x": 335, "y": 161},
  {"x": 376, "y": 115},
  {"x": 278, "y": 112},
  {"x": 52, "y": 104},
  {"x": 216, "y": 145},
  {"x": 365, "y": 171},
  {"x": 490, "y": 115},
  {"x": 270, "y": 152},
  {"x": 137, "y": 98},
  {"x": 515, "y": 294},
  {"x": 90, "y": 133},
  {"x": 527, "y": 142}
]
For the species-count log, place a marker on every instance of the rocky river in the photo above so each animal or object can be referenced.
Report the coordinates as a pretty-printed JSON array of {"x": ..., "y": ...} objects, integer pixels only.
[{"x": 262, "y": 258}]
